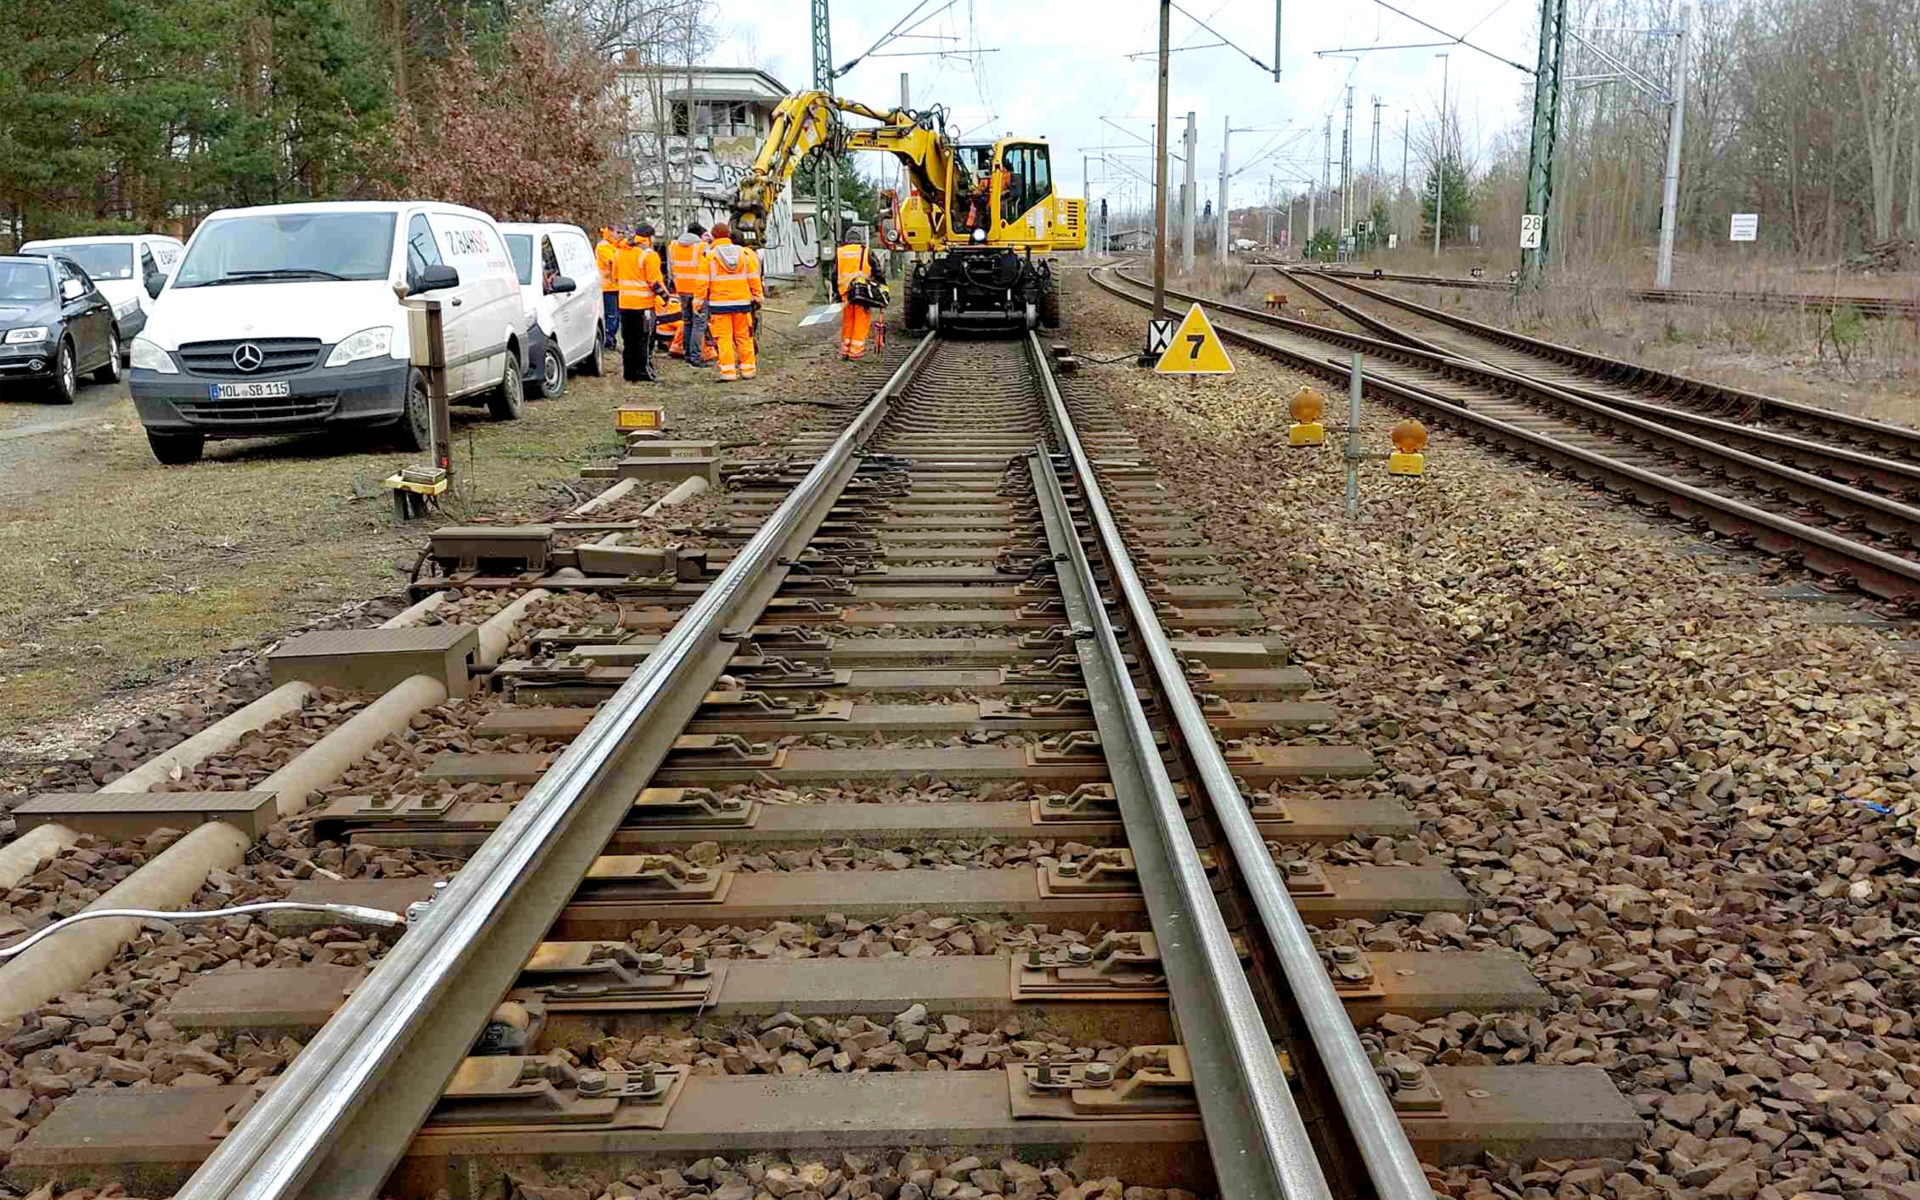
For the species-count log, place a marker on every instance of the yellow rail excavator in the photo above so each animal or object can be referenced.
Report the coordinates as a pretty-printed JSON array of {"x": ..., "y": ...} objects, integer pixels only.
[{"x": 981, "y": 218}]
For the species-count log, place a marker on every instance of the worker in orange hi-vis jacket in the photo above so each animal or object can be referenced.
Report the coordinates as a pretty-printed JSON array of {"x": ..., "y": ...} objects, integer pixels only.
[
  {"x": 686, "y": 273},
  {"x": 854, "y": 269},
  {"x": 734, "y": 294},
  {"x": 638, "y": 269},
  {"x": 604, "y": 254}
]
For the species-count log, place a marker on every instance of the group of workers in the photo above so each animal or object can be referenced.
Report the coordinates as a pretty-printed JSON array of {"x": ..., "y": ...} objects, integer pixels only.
[{"x": 706, "y": 293}]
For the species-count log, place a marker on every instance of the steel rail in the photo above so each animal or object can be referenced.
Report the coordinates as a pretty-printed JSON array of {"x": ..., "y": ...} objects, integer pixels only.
[
  {"x": 1881, "y": 514},
  {"x": 1876, "y": 306},
  {"x": 1861, "y": 429},
  {"x": 1891, "y": 475},
  {"x": 343, "y": 1115},
  {"x": 1874, "y": 571},
  {"x": 1389, "y": 1158},
  {"x": 1259, "y": 1146}
]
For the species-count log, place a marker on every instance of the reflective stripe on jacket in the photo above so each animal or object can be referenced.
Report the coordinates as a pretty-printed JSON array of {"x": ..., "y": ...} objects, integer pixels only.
[
  {"x": 733, "y": 277},
  {"x": 852, "y": 263},
  {"x": 638, "y": 270},
  {"x": 684, "y": 255}
]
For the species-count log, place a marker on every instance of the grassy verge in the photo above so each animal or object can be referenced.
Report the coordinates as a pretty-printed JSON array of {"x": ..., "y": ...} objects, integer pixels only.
[{"x": 120, "y": 572}]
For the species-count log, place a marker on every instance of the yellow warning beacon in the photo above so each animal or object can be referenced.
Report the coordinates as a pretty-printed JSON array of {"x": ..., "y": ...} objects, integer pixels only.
[
  {"x": 1306, "y": 406},
  {"x": 1409, "y": 438}
]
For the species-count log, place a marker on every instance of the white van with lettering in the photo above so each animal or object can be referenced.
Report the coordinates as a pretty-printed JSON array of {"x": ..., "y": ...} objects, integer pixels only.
[
  {"x": 560, "y": 283},
  {"x": 121, "y": 268},
  {"x": 287, "y": 319}
]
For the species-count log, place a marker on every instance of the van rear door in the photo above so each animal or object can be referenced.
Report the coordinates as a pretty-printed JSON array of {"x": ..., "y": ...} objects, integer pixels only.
[{"x": 488, "y": 303}]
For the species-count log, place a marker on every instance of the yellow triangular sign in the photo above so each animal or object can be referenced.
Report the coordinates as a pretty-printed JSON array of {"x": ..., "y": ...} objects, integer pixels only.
[{"x": 1196, "y": 349}]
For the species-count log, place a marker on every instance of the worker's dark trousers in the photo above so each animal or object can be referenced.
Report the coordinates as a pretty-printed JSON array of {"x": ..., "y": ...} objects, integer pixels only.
[
  {"x": 610, "y": 303},
  {"x": 636, "y": 344}
]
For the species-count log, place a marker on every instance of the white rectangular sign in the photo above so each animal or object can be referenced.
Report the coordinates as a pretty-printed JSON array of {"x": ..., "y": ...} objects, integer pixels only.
[
  {"x": 1159, "y": 335},
  {"x": 1745, "y": 227},
  {"x": 1530, "y": 226},
  {"x": 1393, "y": 241}
]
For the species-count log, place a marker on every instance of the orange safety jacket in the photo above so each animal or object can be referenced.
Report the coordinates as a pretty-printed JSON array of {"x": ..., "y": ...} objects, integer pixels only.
[
  {"x": 852, "y": 263},
  {"x": 638, "y": 270},
  {"x": 684, "y": 255},
  {"x": 732, "y": 277},
  {"x": 604, "y": 254}
]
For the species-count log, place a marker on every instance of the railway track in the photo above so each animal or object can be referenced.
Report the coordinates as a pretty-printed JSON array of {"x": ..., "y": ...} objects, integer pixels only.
[
  {"x": 1633, "y": 385},
  {"x": 1738, "y": 480},
  {"x": 1871, "y": 306},
  {"x": 947, "y": 821}
]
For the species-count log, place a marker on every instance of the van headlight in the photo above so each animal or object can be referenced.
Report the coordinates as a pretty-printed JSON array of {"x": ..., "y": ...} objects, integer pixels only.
[
  {"x": 148, "y": 356},
  {"x": 368, "y": 343}
]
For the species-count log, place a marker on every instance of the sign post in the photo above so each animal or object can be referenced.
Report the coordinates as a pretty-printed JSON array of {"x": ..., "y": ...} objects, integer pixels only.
[{"x": 426, "y": 339}]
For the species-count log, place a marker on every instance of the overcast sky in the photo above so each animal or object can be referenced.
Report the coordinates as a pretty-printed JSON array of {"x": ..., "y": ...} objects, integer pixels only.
[{"x": 1058, "y": 68}]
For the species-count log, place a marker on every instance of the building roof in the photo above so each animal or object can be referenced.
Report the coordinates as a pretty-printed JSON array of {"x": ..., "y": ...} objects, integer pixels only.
[{"x": 713, "y": 83}]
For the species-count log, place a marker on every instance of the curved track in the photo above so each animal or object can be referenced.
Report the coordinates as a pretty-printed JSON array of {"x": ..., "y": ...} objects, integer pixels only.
[
  {"x": 1630, "y": 383},
  {"x": 1848, "y": 533},
  {"x": 1872, "y": 306}
]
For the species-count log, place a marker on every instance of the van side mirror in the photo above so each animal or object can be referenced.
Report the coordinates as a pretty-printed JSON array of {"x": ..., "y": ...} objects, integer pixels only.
[
  {"x": 71, "y": 289},
  {"x": 433, "y": 278},
  {"x": 155, "y": 282},
  {"x": 561, "y": 285}
]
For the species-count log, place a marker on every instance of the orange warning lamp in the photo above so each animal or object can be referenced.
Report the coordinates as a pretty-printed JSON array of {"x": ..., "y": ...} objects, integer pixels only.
[
  {"x": 1306, "y": 407},
  {"x": 1409, "y": 439}
]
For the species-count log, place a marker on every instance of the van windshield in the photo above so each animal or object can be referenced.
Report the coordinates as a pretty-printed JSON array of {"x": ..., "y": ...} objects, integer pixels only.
[
  {"x": 290, "y": 247},
  {"x": 102, "y": 260},
  {"x": 520, "y": 245}
]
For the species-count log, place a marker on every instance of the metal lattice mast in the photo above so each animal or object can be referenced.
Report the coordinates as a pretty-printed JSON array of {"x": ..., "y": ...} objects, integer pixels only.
[
  {"x": 1546, "y": 130},
  {"x": 829, "y": 203}
]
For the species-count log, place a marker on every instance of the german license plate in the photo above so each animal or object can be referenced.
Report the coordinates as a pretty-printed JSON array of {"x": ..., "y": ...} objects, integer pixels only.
[{"x": 259, "y": 390}]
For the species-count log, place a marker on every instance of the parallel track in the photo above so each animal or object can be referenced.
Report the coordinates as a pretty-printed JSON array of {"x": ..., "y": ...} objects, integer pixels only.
[
  {"x": 1872, "y": 306},
  {"x": 1567, "y": 366},
  {"x": 1858, "y": 536}
]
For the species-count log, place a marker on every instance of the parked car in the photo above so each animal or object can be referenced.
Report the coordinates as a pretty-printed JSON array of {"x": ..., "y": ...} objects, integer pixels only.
[
  {"x": 54, "y": 325},
  {"x": 120, "y": 267},
  {"x": 551, "y": 261},
  {"x": 287, "y": 319}
]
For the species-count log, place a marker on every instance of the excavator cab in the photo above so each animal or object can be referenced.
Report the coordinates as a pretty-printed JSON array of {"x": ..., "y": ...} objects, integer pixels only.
[
  {"x": 981, "y": 218},
  {"x": 1006, "y": 219}
]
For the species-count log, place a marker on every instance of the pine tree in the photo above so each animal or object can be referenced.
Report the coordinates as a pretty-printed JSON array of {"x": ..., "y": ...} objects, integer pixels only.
[{"x": 1457, "y": 212}]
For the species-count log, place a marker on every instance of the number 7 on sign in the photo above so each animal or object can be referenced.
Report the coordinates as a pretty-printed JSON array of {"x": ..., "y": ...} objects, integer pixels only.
[{"x": 1195, "y": 349}]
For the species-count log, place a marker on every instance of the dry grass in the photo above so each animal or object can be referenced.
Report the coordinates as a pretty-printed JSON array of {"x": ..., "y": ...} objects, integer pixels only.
[{"x": 120, "y": 572}]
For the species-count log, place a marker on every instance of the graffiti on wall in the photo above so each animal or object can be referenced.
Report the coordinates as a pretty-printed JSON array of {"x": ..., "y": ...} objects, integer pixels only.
[{"x": 714, "y": 171}]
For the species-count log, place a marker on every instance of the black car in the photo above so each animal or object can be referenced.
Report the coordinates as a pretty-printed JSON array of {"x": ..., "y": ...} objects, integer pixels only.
[{"x": 54, "y": 325}]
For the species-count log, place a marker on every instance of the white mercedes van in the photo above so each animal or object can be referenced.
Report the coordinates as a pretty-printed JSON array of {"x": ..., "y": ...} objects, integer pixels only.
[
  {"x": 121, "y": 267},
  {"x": 287, "y": 319}
]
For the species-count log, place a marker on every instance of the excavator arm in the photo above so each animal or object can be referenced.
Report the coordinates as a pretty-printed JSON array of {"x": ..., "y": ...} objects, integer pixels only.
[{"x": 806, "y": 120}]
